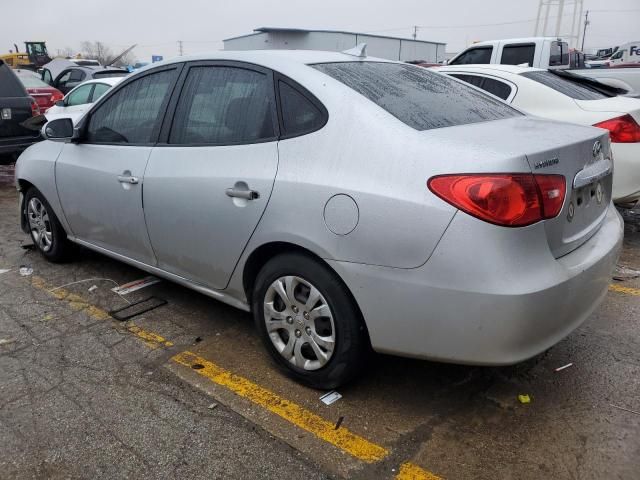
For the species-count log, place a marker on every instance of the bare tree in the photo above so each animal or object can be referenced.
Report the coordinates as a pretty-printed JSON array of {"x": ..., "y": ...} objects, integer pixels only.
[
  {"x": 99, "y": 51},
  {"x": 66, "y": 52}
]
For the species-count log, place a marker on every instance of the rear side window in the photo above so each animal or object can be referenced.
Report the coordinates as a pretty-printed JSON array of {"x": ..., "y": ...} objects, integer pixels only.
[
  {"x": 10, "y": 86},
  {"x": 559, "y": 54},
  {"x": 476, "y": 55},
  {"x": 224, "y": 105},
  {"x": 495, "y": 87},
  {"x": 134, "y": 112},
  {"x": 418, "y": 97},
  {"x": 299, "y": 114},
  {"x": 566, "y": 87},
  {"x": 518, "y": 54},
  {"x": 79, "y": 96}
]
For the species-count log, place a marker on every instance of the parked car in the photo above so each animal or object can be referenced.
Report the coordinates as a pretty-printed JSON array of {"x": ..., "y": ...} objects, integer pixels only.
[
  {"x": 345, "y": 202},
  {"x": 626, "y": 55},
  {"x": 16, "y": 107},
  {"x": 541, "y": 52},
  {"x": 65, "y": 74},
  {"x": 45, "y": 95},
  {"x": 80, "y": 99},
  {"x": 561, "y": 96},
  {"x": 547, "y": 53}
]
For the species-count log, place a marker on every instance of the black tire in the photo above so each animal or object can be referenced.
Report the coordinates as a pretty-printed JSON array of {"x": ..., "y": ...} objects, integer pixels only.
[
  {"x": 351, "y": 341},
  {"x": 60, "y": 248}
]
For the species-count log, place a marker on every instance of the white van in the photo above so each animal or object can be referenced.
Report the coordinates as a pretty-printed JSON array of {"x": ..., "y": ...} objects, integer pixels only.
[
  {"x": 627, "y": 54},
  {"x": 539, "y": 52}
]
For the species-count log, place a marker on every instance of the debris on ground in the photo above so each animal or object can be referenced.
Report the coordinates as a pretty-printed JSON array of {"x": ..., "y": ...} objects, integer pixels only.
[
  {"x": 25, "y": 270},
  {"x": 4, "y": 270},
  {"x": 524, "y": 398},
  {"x": 27, "y": 246},
  {"x": 92, "y": 288},
  {"x": 212, "y": 406},
  {"x": 136, "y": 285},
  {"x": 625, "y": 409},
  {"x": 137, "y": 308},
  {"x": 197, "y": 340},
  {"x": 7, "y": 341},
  {"x": 339, "y": 422},
  {"x": 622, "y": 273},
  {"x": 563, "y": 367},
  {"x": 331, "y": 397}
]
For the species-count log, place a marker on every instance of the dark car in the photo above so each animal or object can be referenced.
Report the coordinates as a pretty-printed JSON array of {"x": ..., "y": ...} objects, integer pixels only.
[
  {"x": 74, "y": 74},
  {"x": 16, "y": 108}
]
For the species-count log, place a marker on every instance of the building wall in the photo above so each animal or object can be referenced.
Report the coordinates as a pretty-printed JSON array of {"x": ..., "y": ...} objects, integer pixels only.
[{"x": 390, "y": 48}]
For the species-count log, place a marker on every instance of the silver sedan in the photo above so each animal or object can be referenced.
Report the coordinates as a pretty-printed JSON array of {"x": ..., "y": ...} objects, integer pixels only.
[{"x": 347, "y": 202}]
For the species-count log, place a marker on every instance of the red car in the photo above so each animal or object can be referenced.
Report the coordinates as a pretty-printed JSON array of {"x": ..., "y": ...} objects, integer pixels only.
[{"x": 45, "y": 95}]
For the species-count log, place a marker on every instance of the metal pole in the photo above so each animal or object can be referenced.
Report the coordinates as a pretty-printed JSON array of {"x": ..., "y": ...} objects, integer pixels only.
[
  {"x": 535, "y": 30},
  {"x": 546, "y": 18},
  {"x": 180, "y": 50},
  {"x": 559, "y": 21},
  {"x": 584, "y": 33},
  {"x": 579, "y": 22},
  {"x": 415, "y": 32}
]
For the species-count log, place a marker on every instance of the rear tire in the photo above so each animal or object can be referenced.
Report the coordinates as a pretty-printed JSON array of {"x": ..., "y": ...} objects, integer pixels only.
[
  {"x": 45, "y": 229},
  {"x": 308, "y": 321}
]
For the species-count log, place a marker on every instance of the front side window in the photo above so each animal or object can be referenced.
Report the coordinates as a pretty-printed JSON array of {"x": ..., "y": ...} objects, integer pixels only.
[
  {"x": 222, "y": 105},
  {"x": 478, "y": 55},
  {"x": 133, "y": 113},
  {"x": 99, "y": 90},
  {"x": 518, "y": 54},
  {"x": 46, "y": 77},
  {"x": 79, "y": 96},
  {"x": 567, "y": 87},
  {"x": 299, "y": 114},
  {"x": 418, "y": 97}
]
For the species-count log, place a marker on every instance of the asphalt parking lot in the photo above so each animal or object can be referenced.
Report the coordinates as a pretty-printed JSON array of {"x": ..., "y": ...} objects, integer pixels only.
[{"x": 186, "y": 390}]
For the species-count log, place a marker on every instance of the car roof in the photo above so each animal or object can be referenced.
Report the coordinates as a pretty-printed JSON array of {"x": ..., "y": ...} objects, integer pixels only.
[
  {"x": 270, "y": 58},
  {"x": 512, "y": 40},
  {"x": 485, "y": 67}
]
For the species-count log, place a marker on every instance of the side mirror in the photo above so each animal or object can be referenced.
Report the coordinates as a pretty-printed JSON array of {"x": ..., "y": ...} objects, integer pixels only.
[
  {"x": 60, "y": 129},
  {"x": 59, "y": 103}
]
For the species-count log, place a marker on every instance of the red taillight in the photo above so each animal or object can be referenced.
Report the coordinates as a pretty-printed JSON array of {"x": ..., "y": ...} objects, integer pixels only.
[
  {"x": 511, "y": 200},
  {"x": 35, "y": 109},
  {"x": 622, "y": 129},
  {"x": 55, "y": 96}
]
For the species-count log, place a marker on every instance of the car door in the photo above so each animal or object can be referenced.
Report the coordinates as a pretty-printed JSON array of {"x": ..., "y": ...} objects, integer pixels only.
[
  {"x": 69, "y": 79},
  {"x": 100, "y": 178},
  {"x": 209, "y": 179}
]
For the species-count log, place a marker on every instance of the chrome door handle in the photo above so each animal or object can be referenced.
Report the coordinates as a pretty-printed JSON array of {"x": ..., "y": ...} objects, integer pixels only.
[
  {"x": 128, "y": 179},
  {"x": 241, "y": 193}
]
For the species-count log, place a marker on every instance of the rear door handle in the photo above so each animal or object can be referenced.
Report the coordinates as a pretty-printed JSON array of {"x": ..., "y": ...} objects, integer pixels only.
[
  {"x": 242, "y": 193},
  {"x": 128, "y": 179}
]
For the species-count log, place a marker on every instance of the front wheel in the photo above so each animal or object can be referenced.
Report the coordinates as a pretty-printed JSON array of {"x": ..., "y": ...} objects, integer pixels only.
[
  {"x": 45, "y": 228},
  {"x": 308, "y": 321}
]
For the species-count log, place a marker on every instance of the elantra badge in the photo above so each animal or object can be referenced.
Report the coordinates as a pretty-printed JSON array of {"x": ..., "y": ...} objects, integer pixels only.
[{"x": 546, "y": 163}]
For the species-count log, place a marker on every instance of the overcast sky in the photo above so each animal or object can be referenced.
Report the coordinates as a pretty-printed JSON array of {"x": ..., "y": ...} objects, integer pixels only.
[{"x": 157, "y": 25}]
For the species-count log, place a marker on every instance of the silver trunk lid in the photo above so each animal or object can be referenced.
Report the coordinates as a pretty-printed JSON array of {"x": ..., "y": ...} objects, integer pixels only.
[{"x": 584, "y": 158}]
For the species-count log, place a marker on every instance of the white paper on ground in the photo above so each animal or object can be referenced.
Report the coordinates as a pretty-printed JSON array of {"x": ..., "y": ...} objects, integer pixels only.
[{"x": 331, "y": 397}]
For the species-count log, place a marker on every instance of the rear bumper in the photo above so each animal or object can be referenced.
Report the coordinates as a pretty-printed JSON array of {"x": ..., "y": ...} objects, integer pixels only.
[
  {"x": 476, "y": 306},
  {"x": 626, "y": 172}
]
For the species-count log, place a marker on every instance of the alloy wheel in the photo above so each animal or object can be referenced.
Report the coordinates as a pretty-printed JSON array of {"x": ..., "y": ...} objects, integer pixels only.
[
  {"x": 40, "y": 225},
  {"x": 299, "y": 322}
]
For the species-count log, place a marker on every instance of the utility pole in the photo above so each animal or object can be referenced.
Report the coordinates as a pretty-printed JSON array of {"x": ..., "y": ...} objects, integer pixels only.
[
  {"x": 584, "y": 33},
  {"x": 415, "y": 31},
  {"x": 180, "y": 50}
]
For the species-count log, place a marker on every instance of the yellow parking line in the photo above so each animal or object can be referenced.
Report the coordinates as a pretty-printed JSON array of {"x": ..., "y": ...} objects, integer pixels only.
[
  {"x": 347, "y": 441},
  {"x": 342, "y": 438},
  {"x": 628, "y": 290},
  {"x": 409, "y": 471}
]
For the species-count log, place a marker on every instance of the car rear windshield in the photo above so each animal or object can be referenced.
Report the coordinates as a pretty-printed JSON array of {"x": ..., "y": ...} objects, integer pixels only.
[
  {"x": 29, "y": 80},
  {"x": 10, "y": 86},
  {"x": 418, "y": 97},
  {"x": 110, "y": 73},
  {"x": 567, "y": 87}
]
